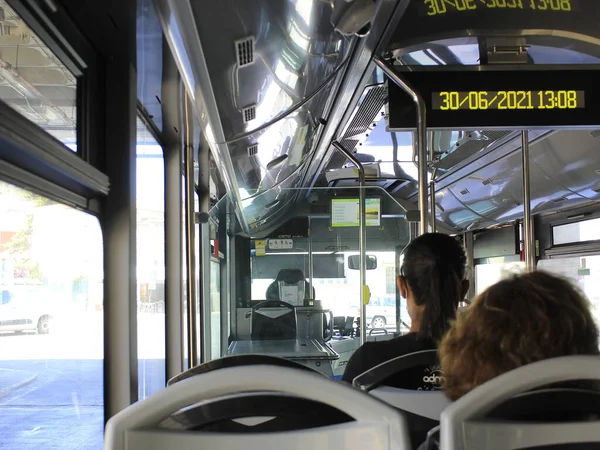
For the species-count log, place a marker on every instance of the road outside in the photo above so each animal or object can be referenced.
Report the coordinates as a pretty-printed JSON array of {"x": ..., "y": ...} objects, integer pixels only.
[{"x": 51, "y": 386}]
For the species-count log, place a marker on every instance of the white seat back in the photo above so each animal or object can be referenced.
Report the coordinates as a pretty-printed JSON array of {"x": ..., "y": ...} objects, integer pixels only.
[
  {"x": 428, "y": 404},
  {"x": 375, "y": 426},
  {"x": 464, "y": 425}
]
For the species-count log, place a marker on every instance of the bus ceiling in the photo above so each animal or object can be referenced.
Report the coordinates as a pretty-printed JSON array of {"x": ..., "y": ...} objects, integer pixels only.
[{"x": 270, "y": 123}]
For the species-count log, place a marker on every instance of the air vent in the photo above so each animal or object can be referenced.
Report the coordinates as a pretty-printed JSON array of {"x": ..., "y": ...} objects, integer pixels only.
[
  {"x": 249, "y": 113},
  {"x": 464, "y": 192},
  {"x": 486, "y": 182},
  {"x": 597, "y": 190},
  {"x": 253, "y": 150},
  {"x": 595, "y": 133},
  {"x": 559, "y": 200},
  {"x": 245, "y": 51}
]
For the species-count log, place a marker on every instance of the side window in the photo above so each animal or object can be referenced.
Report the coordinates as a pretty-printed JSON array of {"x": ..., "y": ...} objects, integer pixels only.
[
  {"x": 51, "y": 345},
  {"x": 390, "y": 280},
  {"x": 150, "y": 262}
]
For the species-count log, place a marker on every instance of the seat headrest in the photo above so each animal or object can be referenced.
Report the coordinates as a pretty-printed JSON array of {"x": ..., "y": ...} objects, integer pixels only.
[
  {"x": 254, "y": 391},
  {"x": 237, "y": 361},
  {"x": 520, "y": 411}
]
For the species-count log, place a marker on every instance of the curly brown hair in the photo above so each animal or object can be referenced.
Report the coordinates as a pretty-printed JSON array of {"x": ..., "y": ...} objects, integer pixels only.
[{"x": 520, "y": 320}]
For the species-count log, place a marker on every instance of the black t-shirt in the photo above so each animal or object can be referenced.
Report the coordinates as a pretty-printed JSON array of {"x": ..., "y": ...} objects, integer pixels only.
[{"x": 372, "y": 354}]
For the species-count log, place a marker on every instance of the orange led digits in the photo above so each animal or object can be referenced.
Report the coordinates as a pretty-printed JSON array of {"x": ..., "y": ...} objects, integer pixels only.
[
  {"x": 507, "y": 100},
  {"x": 440, "y": 7}
]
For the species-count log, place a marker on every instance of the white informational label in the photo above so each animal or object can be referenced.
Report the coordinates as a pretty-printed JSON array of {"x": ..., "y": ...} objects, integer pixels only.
[
  {"x": 290, "y": 294},
  {"x": 281, "y": 244}
]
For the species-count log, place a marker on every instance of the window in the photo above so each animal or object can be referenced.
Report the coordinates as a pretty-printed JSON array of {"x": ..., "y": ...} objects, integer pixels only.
[
  {"x": 51, "y": 324},
  {"x": 570, "y": 233},
  {"x": 34, "y": 82},
  {"x": 583, "y": 271},
  {"x": 390, "y": 280},
  {"x": 150, "y": 189},
  {"x": 499, "y": 269},
  {"x": 215, "y": 309},
  {"x": 149, "y": 60}
]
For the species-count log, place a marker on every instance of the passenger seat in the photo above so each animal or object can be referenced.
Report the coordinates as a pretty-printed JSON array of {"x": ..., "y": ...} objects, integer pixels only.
[
  {"x": 529, "y": 407},
  {"x": 239, "y": 408},
  {"x": 422, "y": 408}
]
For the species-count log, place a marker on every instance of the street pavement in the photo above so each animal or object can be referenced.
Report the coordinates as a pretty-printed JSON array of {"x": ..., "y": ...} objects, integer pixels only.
[{"x": 51, "y": 386}]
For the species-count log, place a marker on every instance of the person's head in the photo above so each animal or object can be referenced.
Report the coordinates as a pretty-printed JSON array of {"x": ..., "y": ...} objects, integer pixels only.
[
  {"x": 432, "y": 280},
  {"x": 524, "y": 319}
]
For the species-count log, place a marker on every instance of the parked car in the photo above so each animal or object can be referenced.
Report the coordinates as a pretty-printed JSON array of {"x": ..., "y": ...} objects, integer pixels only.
[
  {"x": 381, "y": 313},
  {"x": 24, "y": 308}
]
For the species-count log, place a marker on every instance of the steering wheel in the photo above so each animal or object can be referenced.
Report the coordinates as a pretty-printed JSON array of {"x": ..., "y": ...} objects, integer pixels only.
[{"x": 270, "y": 304}]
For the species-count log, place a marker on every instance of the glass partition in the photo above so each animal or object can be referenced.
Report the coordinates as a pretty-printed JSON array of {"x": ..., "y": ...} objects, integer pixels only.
[{"x": 301, "y": 253}]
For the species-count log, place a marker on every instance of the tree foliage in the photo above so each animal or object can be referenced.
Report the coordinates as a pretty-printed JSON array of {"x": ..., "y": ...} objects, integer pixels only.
[{"x": 21, "y": 243}]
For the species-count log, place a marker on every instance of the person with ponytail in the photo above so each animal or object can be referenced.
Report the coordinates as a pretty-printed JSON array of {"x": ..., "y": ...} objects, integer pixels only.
[{"x": 433, "y": 281}]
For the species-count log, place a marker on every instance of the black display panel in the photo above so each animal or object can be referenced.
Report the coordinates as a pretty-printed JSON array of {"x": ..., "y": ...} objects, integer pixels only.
[
  {"x": 499, "y": 99},
  {"x": 292, "y": 229},
  {"x": 425, "y": 20}
]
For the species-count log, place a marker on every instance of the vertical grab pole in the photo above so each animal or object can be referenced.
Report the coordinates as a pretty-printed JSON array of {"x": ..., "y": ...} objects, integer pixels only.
[
  {"x": 431, "y": 136},
  {"x": 310, "y": 261},
  {"x": 527, "y": 228},
  {"x": 421, "y": 137},
  {"x": 190, "y": 229},
  {"x": 362, "y": 238},
  {"x": 432, "y": 203}
]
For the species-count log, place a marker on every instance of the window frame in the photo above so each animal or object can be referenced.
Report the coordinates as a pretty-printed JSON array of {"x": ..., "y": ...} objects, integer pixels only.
[{"x": 54, "y": 170}]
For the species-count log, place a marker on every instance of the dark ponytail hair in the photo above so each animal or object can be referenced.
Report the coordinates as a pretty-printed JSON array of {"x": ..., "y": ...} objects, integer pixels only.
[{"x": 434, "y": 267}]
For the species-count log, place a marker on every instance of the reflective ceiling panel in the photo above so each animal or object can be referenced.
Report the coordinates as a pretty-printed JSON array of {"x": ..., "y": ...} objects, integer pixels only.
[{"x": 261, "y": 76}]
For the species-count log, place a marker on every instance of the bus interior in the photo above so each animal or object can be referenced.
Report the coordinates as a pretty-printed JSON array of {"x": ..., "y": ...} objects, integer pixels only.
[{"x": 204, "y": 207}]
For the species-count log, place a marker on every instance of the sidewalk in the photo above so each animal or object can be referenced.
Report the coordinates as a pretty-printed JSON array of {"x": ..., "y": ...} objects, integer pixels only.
[{"x": 11, "y": 380}]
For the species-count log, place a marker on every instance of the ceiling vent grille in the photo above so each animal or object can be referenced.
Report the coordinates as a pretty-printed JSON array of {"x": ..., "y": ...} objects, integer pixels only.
[
  {"x": 464, "y": 192},
  {"x": 370, "y": 107},
  {"x": 486, "y": 182},
  {"x": 245, "y": 51},
  {"x": 253, "y": 150},
  {"x": 249, "y": 113},
  {"x": 595, "y": 133}
]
